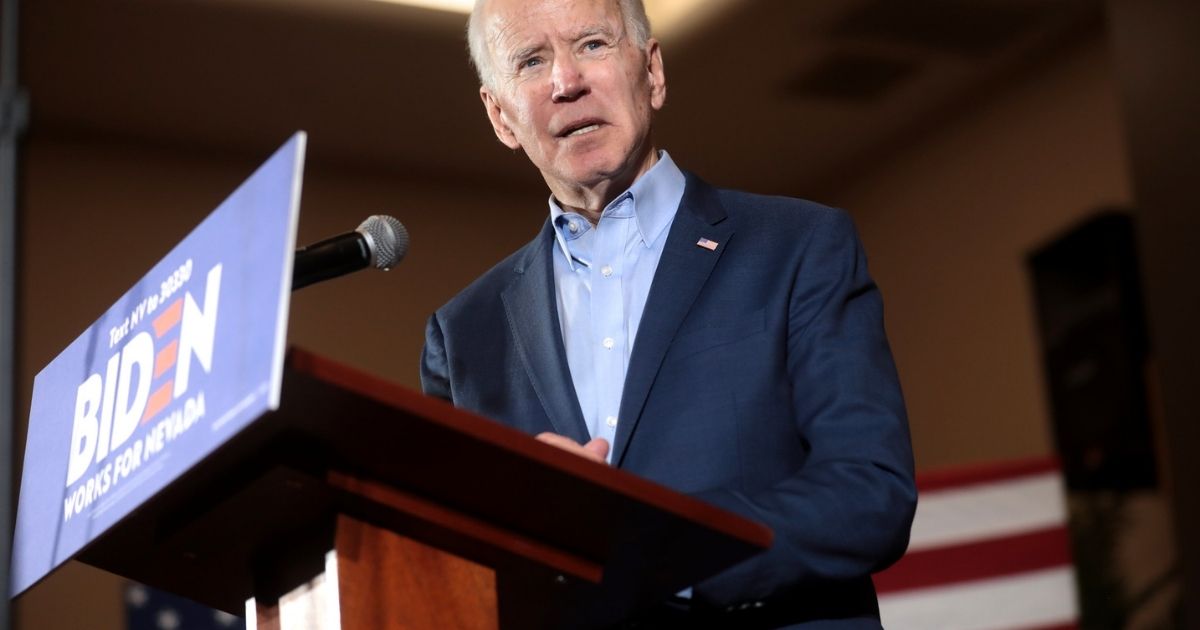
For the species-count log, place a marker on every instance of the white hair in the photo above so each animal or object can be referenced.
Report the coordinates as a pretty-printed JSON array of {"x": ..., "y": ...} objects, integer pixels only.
[{"x": 633, "y": 13}]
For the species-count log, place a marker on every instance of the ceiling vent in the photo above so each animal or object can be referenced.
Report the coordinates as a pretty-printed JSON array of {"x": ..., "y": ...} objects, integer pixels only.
[
  {"x": 851, "y": 77},
  {"x": 971, "y": 28}
]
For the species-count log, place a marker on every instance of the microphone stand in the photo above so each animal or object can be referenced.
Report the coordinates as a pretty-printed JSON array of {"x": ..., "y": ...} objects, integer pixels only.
[{"x": 13, "y": 116}]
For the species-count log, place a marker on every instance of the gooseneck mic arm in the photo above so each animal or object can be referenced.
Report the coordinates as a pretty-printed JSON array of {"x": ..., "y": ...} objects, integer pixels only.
[
  {"x": 330, "y": 258},
  {"x": 381, "y": 242}
]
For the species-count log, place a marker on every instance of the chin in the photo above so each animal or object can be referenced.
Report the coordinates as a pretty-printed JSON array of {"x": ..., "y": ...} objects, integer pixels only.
[{"x": 591, "y": 170}]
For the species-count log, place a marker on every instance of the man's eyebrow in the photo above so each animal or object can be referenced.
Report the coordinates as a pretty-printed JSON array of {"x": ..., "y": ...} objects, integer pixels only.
[
  {"x": 592, "y": 31},
  {"x": 521, "y": 54}
]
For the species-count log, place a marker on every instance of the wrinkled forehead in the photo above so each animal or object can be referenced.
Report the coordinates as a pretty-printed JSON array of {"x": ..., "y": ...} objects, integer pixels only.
[{"x": 517, "y": 24}]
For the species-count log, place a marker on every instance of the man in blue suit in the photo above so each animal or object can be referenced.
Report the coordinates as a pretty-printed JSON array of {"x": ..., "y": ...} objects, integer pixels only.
[{"x": 724, "y": 344}]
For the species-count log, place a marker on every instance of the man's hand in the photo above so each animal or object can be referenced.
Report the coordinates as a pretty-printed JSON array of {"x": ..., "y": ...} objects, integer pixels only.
[{"x": 595, "y": 450}]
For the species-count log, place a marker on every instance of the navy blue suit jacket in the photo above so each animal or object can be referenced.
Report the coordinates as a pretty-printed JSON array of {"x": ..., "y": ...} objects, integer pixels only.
[{"x": 760, "y": 380}]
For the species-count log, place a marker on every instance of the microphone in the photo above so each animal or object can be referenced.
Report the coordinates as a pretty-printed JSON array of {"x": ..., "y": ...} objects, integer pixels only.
[{"x": 380, "y": 241}]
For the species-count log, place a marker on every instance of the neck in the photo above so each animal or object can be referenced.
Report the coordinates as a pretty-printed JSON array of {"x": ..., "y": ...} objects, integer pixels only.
[{"x": 590, "y": 200}]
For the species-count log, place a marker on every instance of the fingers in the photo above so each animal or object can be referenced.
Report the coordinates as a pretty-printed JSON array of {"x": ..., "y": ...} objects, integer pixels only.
[
  {"x": 595, "y": 450},
  {"x": 560, "y": 441},
  {"x": 598, "y": 447}
]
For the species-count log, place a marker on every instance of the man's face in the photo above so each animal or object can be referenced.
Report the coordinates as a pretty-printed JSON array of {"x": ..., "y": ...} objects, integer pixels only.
[{"x": 572, "y": 89}]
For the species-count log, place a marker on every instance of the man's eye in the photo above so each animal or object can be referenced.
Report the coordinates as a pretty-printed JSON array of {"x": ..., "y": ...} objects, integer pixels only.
[
  {"x": 594, "y": 44},
  {"x": 531, "y": 62}
]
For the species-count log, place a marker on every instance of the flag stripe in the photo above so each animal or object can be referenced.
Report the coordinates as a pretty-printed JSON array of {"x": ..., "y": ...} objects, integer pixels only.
[
  {"x": 165, "y": 358},
  {"x": 984, "y": 473},
  {"x": 973, "y": 561},
  {"x": 990, "y": 510},
  {"x": 1039, "y": 599},
  {"x": 158, "y": 401},
  {"x": 169, "y": 317}
]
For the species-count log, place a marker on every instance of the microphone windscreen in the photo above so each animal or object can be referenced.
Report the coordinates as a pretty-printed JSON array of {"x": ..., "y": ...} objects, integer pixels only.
[{"x": 388, "y": 238}]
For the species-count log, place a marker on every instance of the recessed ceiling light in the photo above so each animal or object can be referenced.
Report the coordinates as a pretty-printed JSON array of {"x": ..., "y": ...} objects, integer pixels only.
[
  {"x": 457, "y": 6},
  {"x": 665, "y": 15}
]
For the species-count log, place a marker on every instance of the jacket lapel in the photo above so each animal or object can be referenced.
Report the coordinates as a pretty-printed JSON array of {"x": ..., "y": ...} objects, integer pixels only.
[
  {"x": 682, "y": 271},
  {"x": 539, "y": 339}
]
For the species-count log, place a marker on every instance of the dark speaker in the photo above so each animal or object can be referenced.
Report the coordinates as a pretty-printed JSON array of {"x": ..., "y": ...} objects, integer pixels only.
[{"x": 1095, "y": 347}]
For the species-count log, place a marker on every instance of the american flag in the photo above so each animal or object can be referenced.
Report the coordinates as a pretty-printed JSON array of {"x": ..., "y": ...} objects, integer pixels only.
[
  {"x": 151, "y": 609},
  {"x": 989, "y": 550},
  {"x": 707, "y": 244}
]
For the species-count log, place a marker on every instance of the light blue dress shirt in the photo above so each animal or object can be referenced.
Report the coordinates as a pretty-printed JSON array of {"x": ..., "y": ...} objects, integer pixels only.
[{"x": 602, "y": 276}]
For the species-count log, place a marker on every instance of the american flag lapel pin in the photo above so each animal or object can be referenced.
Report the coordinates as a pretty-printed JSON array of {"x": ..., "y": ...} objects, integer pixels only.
[{"x": 707, "y": 244}]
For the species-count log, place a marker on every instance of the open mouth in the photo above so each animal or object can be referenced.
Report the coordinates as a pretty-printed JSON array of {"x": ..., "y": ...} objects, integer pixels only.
[{"x": 580, "y": 128}]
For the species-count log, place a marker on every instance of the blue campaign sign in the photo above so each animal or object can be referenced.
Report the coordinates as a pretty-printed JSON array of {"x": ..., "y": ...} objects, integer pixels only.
[{"x": 188, "y": 357}]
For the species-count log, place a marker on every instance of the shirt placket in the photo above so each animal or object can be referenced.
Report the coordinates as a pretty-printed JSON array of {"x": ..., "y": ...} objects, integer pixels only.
[
  {"x": 577, "y": 338},
  {"x": 608, "y": 317}
]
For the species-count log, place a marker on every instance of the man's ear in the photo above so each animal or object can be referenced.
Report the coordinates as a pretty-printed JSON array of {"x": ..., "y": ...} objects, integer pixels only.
[
  {"x": 503, "y": 132},
  {"x": 657, "y": 76}
]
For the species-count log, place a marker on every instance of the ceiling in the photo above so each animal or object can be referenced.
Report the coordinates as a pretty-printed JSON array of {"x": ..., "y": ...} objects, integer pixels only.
[{"x": 779, "y": 96}]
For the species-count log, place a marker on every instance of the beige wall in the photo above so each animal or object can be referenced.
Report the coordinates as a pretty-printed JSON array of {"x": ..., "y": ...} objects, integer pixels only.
[
  {"x": 98, "y": 215},
  {"x": 947, "y": 225},
  {"x": 112, "y": 211}
]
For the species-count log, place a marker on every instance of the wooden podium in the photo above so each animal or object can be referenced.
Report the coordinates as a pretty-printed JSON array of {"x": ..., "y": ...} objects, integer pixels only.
[{"x": 363, "y": 505}]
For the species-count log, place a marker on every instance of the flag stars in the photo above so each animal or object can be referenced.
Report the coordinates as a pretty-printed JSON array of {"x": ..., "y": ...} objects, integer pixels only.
[
  {"x": 136, "y": 595},
  {"x": 167, "y": 619}
]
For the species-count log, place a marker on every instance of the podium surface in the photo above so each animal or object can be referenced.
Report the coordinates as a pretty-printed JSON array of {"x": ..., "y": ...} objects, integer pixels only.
[{"x": 257, "y": 517}]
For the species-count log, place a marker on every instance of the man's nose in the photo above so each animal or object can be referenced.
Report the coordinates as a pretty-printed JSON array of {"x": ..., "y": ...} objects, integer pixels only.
[{"x": 569, "y": 81}]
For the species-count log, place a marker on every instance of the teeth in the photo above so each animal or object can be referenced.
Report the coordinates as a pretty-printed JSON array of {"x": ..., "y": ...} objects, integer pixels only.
[{"x": 583, "y": 130}]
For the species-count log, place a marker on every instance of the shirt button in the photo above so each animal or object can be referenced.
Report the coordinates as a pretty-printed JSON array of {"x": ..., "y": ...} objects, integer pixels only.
[
  {"x": 611, "y": 421},
  {"x": 606, "y": 270},
  {"x": 573, "y": 226},
  {"x": 608, "y": 343}
]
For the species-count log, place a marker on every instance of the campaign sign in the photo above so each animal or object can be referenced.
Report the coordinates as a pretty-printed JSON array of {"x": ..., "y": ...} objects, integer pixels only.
[{"x": 187, "y": 358}]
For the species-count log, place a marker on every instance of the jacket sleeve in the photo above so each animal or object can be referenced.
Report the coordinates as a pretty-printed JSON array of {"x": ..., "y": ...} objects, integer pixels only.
[
  {"x": 435, "y": 371},
  {"x": 847, "y": 511}
]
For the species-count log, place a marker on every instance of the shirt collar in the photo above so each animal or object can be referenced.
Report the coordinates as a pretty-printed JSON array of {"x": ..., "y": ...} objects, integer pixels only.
[{"x": 655, "y": 197}]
